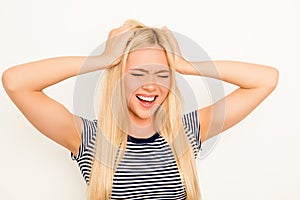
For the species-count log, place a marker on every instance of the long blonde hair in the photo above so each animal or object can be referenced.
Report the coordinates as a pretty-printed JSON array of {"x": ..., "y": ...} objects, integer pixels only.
[{"x": 113, "y": 117}]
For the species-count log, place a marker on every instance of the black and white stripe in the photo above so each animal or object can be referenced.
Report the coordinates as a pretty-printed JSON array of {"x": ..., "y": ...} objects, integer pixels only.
[
  {"x": 191, "y": 126},
  {"x": 148, "y": 169},
  {"x": 85, "y": 155}
]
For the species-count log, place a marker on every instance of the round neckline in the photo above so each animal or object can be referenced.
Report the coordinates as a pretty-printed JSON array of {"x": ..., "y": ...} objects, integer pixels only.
[{"x": 143, "y": 140}]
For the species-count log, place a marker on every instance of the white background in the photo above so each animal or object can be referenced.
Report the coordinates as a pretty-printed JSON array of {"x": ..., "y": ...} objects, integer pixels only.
[{"x": 257, "y": 159}]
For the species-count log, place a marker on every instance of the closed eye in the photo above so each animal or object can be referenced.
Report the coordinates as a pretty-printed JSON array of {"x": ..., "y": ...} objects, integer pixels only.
[
  {"x": 134, "y": 74},
  {"x": 163, "y": 76}
]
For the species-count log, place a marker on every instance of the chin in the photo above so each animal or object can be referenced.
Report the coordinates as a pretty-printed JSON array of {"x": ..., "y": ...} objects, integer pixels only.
[{"x": 143, "y": 114}]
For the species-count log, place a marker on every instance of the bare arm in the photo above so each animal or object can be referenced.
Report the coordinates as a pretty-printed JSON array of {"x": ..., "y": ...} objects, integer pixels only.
[
  {"x": 255, "y": 83},
  {"x": 24, "y": 84}
]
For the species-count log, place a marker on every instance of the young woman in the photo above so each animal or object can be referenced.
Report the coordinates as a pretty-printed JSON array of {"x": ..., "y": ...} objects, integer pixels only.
[{"x": 141, "y": 146}]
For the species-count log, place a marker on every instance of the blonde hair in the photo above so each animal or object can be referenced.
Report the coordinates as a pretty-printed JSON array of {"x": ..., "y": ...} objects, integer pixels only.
[{"x": 111, "y": 136}]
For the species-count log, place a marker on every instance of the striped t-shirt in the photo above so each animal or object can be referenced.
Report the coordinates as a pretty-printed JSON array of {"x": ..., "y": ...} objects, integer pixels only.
[{"x": 148, "y": 169}]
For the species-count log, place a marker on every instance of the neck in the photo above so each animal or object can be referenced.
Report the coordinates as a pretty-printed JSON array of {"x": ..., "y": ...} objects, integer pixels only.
[{"x": 141, "y": 128}]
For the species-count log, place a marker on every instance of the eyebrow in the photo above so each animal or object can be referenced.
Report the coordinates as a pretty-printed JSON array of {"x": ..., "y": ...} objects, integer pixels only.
[{"x": 146, "y": 71}]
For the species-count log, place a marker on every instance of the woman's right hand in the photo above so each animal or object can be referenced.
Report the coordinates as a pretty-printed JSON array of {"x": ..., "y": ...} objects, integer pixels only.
[
  {"x": 116, "y": 44},
  {"x": 25, "y": 83}
]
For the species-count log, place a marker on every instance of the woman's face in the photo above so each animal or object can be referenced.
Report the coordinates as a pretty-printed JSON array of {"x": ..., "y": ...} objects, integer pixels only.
[{"x": 147, "y": 82}]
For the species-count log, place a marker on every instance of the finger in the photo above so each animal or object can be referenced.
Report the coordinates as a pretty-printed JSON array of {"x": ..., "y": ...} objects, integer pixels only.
[
  {"x": 124, "y": 27},
  {"x": 172, "y": 40},
  {"x": 164, "y": 29},
  {"x": 120, "y": 29},
  {"x": 168, "y": 32}
]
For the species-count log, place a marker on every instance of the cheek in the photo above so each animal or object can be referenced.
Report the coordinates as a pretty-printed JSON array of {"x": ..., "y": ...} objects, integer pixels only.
[
  {"x": 164, "y": 85},
  {"x": 131, "y": 85},
  {"x": 165, "y": 92}
]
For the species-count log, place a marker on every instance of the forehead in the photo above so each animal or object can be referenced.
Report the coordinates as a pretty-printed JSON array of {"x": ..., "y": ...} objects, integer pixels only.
[{"x": 146, "y": 56}]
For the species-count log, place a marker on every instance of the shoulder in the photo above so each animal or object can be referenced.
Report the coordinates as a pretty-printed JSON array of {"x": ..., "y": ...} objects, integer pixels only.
[
  {"x": 87, "y": 129},
  {"x": 191, "y": 126},
  {"x": 191, "y": 121},
  {"x": 190, "y": 116},
  {"x": 85, "y": 125}
]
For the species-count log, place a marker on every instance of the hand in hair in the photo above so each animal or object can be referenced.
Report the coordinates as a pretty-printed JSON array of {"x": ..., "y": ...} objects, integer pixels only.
[
  {"x": 116, "y": 43},
  {"x": 179, "y": 61}
]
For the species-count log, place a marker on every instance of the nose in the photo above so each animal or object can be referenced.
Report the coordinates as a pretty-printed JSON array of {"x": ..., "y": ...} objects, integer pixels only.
[
  {"x": 149, "y": 83},
  {"x": 149, "y": 87}
]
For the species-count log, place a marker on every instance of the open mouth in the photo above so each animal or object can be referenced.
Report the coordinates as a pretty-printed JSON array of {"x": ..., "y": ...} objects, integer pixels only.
[{"x": 146, "y": 101}]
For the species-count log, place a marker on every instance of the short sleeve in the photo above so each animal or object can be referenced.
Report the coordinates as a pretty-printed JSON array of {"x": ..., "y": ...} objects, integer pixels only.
[
  {"x": 88, "y": 138},
  {"x": 86, "y": 151},
  {"x": 191, "y": 125}
]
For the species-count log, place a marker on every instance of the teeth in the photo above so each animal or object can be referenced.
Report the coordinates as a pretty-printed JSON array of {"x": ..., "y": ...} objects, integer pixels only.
[{"x": 146, "y": 98}]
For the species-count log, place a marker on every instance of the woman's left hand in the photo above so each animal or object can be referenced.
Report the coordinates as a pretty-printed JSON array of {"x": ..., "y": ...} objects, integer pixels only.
[{"x": 181, "y": 64}]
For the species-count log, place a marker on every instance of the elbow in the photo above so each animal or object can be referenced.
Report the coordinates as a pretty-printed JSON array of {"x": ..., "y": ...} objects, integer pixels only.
[
  {"x": 271, "y": 79},
  {"x": 5, "y": 78},
  {"x": 274, "y": 77},
  {"x": 8, "y": 81}
]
